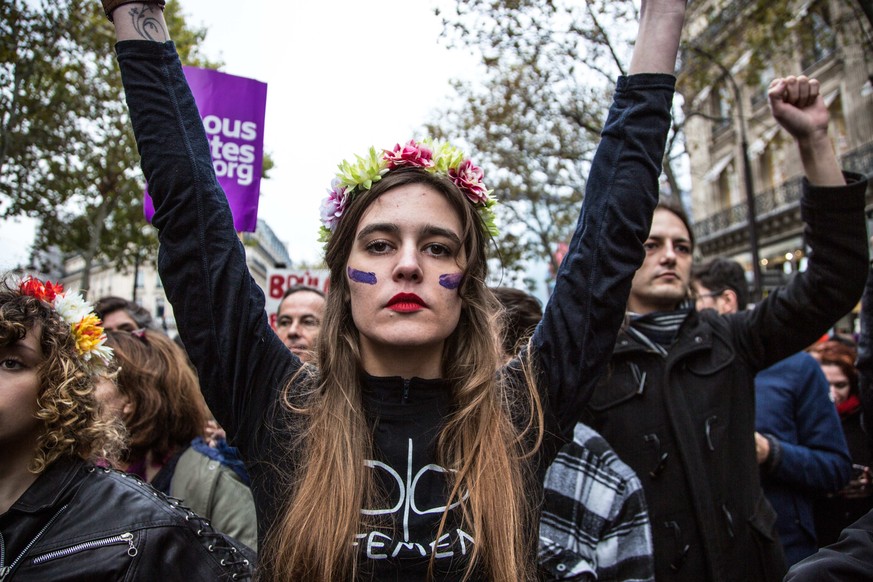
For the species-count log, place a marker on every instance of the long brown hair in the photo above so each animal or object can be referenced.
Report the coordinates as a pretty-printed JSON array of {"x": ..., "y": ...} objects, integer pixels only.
[
  {"x": 167, "y": 409},
  {"x": 312, "y": 539}
]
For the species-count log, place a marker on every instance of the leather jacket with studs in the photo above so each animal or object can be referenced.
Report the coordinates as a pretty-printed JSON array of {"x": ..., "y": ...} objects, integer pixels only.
[{"x": 81, "y": 522}]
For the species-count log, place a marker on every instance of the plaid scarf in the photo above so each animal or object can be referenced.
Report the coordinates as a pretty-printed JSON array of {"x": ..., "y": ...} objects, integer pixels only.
[{"x": 658, "y": 330}]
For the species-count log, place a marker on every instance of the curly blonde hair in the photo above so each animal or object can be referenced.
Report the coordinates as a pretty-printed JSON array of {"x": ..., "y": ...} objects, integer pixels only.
[{"x": 66, "y": 403}]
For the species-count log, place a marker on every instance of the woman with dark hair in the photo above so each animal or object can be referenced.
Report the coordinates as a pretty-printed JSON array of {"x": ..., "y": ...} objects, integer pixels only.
[
  {"x": 157, "y": 396},
  {"x": 398, "y": 453},
  {"x": 61, "y": 516},
  {"x": 836, "y": 511},
  {"x": 119, "y": 314}
]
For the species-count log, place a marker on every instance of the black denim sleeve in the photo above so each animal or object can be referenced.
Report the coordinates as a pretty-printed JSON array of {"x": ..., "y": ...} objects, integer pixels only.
[
  {"x": 575, "y": 338},
  {"x": 219, "y": 309},
  {"x": 791, "y": 318}
]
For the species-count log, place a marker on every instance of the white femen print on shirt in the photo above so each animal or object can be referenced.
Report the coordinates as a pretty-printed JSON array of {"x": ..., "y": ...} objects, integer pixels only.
[{"x": 406, "y": 509}]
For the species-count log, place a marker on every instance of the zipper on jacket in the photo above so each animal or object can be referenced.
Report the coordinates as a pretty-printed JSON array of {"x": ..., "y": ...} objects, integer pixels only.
[
  {"x": 125, "y": 538},
  {"x": 7, "y": 570},
  {"x": 405, "y": 390},
  {"x": 3, "y": 568}
]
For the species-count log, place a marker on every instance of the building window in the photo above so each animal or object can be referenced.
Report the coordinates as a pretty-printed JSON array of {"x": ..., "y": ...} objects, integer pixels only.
[
  {"x": 818, "y": 39},
  {"x": 839, "y": 133},
  {"x": 766, "y": 170},
  {"x": 759, "y": 97},
  {"x": 721, "y": 108},
  {"x": 728, "y": 186}
]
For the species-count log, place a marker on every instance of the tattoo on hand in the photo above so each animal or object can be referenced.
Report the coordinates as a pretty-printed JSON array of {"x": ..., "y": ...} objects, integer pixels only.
[{"x": 147, "y": 25}]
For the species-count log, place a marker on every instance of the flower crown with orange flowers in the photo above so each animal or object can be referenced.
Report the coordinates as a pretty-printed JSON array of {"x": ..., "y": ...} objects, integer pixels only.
[
  {"x": 85, "y": 326},
  {"x": 433, "y": 157}
]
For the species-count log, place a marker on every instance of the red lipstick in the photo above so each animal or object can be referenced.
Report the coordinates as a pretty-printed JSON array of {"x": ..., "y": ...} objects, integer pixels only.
[{"x": 406, "y": 303}]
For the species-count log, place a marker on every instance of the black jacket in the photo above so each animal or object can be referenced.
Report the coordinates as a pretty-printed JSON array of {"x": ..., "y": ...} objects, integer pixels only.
[
  {"x": 850, "y": 558},
  {"x": 847, "y": 560},
  {"x": 685, "y": 422},
  {"x": 81, "y": 522},
  {"x": 834, "y": 512}
]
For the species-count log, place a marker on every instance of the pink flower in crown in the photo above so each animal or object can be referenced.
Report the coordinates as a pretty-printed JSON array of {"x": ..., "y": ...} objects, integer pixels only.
[
  {"x": 468, "y": 178},
  {"x": 334, "y": 205},
  {"x": 412, "y": 154}
]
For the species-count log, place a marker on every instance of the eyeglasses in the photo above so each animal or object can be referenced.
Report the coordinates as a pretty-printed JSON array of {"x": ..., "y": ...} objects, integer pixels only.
[{"x": 712, "y": 294}]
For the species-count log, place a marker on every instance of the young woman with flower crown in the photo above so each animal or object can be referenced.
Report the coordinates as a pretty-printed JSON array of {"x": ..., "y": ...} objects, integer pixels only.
[
  {"x": 61, "y": 516},
  {"x": 399, "y": 454}
]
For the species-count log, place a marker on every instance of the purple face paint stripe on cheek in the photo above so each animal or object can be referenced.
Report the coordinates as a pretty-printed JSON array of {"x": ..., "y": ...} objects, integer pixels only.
[
  {"x": 451, "y": 280},
  {"x": 362, "y": 277}
]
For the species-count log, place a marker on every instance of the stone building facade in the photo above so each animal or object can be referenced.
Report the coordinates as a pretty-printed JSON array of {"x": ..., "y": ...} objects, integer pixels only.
[
  {"x": 826, "y": 39},
  {"x": 141, "y": 283}
]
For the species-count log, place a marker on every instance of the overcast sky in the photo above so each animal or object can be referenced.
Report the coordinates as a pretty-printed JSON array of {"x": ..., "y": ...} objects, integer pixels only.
[{"x": 341, "y": 75}]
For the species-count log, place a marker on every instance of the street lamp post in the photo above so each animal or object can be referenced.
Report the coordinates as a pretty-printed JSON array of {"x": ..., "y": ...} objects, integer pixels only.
[{"x": 757, "y": 291}]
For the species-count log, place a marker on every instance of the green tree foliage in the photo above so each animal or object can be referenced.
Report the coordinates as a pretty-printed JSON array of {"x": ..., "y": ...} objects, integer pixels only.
[
  {"x": 67, "y": 153},
  {"x": 532, "y": 118},
  {"x": 534, "y": 160},
  {"x": 755, "y": 27},
  {"x": 548, "y": 67},
  {"x": 756, "y": 39}
]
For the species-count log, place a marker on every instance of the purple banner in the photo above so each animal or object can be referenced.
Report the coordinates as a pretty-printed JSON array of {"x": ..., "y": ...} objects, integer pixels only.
[{"x": 232, "y": 109}]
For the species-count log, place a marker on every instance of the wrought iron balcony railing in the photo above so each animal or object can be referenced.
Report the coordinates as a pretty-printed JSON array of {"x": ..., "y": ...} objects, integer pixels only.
[{"x": 859, "y": 160}]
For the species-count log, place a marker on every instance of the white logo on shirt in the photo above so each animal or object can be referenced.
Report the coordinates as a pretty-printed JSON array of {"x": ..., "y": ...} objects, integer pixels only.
[{"x": 380, "y": 546}]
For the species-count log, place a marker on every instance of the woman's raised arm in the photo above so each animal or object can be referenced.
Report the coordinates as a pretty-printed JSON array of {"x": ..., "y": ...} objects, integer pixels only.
[{"x": 219, "y": 308}]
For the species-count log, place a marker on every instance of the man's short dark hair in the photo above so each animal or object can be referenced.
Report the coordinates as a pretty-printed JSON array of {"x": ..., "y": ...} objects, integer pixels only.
[
  {"x": 522, "y": 313},
  {"x": 673, "y": 205},
  {"x": 720, "y": 274},
  {"x": 297, "y": 288},
  {"x": 110, "y": 304}
]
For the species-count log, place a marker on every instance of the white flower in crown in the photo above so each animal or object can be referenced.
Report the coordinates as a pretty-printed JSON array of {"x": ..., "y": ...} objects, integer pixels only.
[
  {"x": 85, "y": 326},
  {"x": 71, "y": 307}
]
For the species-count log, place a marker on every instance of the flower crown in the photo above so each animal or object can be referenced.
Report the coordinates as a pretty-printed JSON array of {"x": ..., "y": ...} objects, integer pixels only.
[
  {"x": 86, "y": 327},
  {"x": 434, "y": 157}
]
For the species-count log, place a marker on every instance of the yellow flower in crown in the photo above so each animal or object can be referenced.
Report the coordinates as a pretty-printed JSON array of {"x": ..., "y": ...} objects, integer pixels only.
[
  {"x": 89, "y": 334},
  {"x": 85, "y": 327}
]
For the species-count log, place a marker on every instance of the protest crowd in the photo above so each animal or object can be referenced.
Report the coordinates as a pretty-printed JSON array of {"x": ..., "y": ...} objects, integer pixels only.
[{"x": 412, "y": 423}]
